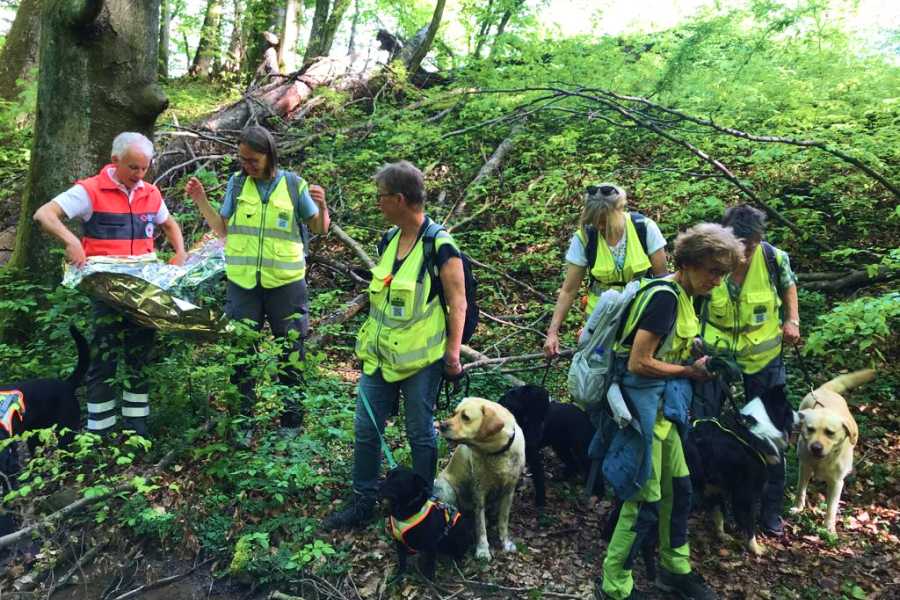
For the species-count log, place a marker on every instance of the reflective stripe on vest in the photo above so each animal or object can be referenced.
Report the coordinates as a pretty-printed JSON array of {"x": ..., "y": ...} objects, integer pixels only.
[
  {"x": 264, "y": 238},
  {"x": 118, "y": 227},
  {"x": 676, "y": 347},
  {"x": 604, "y": 274},
  {"x": 404, "y": 332},
  {"x": 750, "y": 327}
]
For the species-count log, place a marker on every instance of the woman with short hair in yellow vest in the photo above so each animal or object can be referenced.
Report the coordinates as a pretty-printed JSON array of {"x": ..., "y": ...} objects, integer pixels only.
[
  {"x": 747, "y": 318},
  {"x": 409, "y": 340},
  {"x": 260, "y": 219},
  {"x": 631, "y": 246},
  {"x": 645, "y": 464}
]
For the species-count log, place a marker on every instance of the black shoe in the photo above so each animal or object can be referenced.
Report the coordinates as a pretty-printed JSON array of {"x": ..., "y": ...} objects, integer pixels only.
[
  {"x": 599, "y": 594},
  {"x": 689, "y": 586},
  {"x": 292, "y": 418},
  {"x": 772, "y": 525},
  {"x": 357, "y": 512},
  {"x": 136, "y": 424}
]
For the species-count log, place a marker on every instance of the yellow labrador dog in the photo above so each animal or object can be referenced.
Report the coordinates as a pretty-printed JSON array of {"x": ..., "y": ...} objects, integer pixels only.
[
  {"x": 485, "y": 467},
  {"x": 828, "y": 434}
]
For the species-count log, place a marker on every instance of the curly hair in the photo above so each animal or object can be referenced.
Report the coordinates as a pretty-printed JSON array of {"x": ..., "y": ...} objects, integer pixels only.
[{"x": 707, "y": 242}]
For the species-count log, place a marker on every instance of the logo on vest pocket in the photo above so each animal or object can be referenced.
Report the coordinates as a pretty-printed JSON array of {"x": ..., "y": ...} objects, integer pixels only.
[
  {"x": 398, "y": 308},
  {"x": 148, "y": 230},
  {"x": 283, "y": 220}
]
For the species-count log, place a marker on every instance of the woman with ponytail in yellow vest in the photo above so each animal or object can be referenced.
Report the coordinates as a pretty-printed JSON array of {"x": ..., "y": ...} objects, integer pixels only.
[
  {"x": 409, "y": 340},
  {"x": 265, "y": 264},
  {"x": 747, "y": 318},
  {"x": 631, "y": 245},
  {"x": 645, "y": 464}
]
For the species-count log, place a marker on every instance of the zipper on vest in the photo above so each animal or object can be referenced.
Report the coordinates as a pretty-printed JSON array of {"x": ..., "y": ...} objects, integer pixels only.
[
  {"x": 262, "y": 226},
  {"x": 131, "y": 214}
]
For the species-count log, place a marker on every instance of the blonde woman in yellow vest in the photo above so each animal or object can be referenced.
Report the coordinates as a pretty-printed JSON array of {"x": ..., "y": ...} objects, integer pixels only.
[
  {"x": 264, "y": 254},
  {"x": 645, "y": 465},
  {"x": 631, "y": 245},
  {"x": 749, "y": 316},
  {"x": 409, "y": 341}
]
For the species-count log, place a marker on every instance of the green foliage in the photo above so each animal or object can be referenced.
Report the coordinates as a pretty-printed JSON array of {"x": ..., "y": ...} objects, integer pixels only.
[{"x": 863, "y": 328}]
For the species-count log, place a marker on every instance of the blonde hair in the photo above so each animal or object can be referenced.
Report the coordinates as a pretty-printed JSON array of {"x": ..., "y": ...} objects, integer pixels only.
[
  {"x": 708, "y": 242},
  {"x": 607, "y": 202}
]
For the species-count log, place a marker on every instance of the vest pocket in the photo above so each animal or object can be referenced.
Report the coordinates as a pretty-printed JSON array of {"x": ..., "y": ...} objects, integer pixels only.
[
  {"x": 758, "y": 307},
  {"x": 401, "y": 300}
]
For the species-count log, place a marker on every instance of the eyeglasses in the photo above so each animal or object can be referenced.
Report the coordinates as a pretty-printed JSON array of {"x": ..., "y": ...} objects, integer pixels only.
[
  {"x": 380, "y": 195},
  {"x": 248, "y": 161},
  {"x": 606, "y": 190}
]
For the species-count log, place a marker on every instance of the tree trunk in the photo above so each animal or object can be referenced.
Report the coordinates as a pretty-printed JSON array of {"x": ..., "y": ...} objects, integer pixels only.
[
  {"x": 287, "y": 51},
  {"x": 20, "y": 51},
  {"x": 210, "y": 40},
  {"x": 97, "y": 78},
  {"x": 164, "y": 17},
  {"x": 419, "y": 55},
  {"x": 325, "y": 22},
  {"x": 351, "y": 45},
  {"x": 259, "y": 17},
  {"x": 485, "y": 28},
  {"x": 501, "y": 28},
  {"x": 236, "y": 45}
]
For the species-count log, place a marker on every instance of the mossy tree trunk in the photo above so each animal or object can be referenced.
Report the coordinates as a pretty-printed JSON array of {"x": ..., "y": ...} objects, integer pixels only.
[
  {"x": 97, "y": 77},
  {"x": 209, "y": 48},
  {"x": 165, "y": 17},
  {"x": 20, "y": 49},
  {"x": 326, "y": 19}
]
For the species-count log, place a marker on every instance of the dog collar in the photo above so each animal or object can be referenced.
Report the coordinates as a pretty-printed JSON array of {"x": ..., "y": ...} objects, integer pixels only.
[{"x": 506, "y": 447}]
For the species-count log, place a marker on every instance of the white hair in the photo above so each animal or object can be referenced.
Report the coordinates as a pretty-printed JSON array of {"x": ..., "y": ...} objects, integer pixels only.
[{"x": 131, "y": 139}]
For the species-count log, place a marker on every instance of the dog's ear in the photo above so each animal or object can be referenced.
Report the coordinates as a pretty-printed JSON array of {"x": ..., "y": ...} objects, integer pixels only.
[
  {"x": 491, "y": 423},
  {"x": 852, "y": 431}
]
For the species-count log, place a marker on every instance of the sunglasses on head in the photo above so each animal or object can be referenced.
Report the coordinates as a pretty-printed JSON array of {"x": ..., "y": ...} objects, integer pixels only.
[{"x": 606, "y": 190}]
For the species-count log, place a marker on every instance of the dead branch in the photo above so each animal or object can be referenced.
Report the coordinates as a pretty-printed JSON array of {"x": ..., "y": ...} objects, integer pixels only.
[
  {"x": 352, "y": 244},
  {"x": 161, "y": 582},
  {"x": 517, "y": 591},
  {"x": 188, "y": 163},
  {"x": 853, "y": 279},
  {"x": 336, "y": 266},
  {"x": 487, "y": 170},
  {"x": 350, "y": 309},
  {"x": 485, "y": 361},
  {"x": 83, "y": 560},
  {"x": 477, "y": 356},
  {"x": 516, "y": 325},
  {"x": 534, "y": 291}
]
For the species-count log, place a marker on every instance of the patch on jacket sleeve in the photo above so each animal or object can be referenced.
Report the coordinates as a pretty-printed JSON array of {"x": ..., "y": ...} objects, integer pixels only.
[{"x": 12, "y": 402}]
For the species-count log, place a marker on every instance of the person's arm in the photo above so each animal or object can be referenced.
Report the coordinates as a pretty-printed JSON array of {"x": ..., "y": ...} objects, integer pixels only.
[
  {"x": 50, "y": 217},
  {"x": 453, "y": 283},
  {"x": 791, "y": 327},
  {"x": 658, "y": 263},
  {"x": 567, "y": 296},
  {"x": 642, "y": 362},
  {"x": 197, "y": 193},
  {"x": 173, "y": 234},
  {"x": 321, "y": 221}
]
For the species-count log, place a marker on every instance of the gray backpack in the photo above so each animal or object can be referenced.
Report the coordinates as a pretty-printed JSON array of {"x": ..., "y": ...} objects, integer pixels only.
[{"x": 591, "y": 372}]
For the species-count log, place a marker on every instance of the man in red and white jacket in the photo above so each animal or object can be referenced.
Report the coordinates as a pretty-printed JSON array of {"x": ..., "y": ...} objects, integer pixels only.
[{"x": 120, "y": 212}]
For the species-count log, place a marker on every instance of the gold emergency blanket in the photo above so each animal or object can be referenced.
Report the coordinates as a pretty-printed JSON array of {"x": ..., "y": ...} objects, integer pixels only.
[{"x": 152, "y": 293}]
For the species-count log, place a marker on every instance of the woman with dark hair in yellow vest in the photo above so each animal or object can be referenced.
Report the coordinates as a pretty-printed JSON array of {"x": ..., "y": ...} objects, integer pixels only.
[
  {"x": 260, "y": 218},
  {"x": 630, "y": 246}
]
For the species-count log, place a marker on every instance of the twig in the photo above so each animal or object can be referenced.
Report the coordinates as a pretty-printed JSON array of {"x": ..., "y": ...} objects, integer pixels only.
[
  {"x": 79, "y": 564},
  {"x": 517, "y": 326},
  {"x": 352, "y": 244},
  {"x": 189, "y": 162},
  {"x": 534, "y": 291},
  {"x": 351, "y": 308},
  {"x": 485, "y": 361},
  {"x": 161, "y": 582},
  {"x": 853, "y": 279}
]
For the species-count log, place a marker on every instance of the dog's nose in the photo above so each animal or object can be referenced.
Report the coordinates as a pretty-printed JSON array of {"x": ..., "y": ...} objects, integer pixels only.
[
  {"x": 816, "y": 448},
  {"x": 443, "y": 426}
]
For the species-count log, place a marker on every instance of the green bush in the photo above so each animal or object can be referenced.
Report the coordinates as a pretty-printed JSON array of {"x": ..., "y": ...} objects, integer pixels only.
[{"x": 863, "y": 329}]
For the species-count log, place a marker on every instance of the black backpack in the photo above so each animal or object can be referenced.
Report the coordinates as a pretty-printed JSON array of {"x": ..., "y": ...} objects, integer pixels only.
[
  {"x": 293, "y": 186},
  {"x": 590, "y": 249},
  {"x": 429, "y": 265}
]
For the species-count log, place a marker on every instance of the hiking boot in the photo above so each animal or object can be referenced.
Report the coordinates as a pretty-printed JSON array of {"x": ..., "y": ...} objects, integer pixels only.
[
  {"x": 136, "y": 424},
  {"x": 689, "y": 586},
  {"x": 599, "y": 594},
  {"x": 771, "y": 525},
  {"x": 356, "y": 513}
]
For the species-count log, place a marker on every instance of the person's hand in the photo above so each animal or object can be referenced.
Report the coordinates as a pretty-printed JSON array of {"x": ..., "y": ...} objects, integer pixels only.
[
  {"x": 698, "y": 372},
  {"x": 317, "y": 193},
  {"x": 75, "y": 254},
  {"x": 452, "y": 367},
  {"x": 791, "y": 333},
  {"x": 551, "y": 345},
  {"x": 178, "y": 259},
  {"x": 195, "y": 190}
]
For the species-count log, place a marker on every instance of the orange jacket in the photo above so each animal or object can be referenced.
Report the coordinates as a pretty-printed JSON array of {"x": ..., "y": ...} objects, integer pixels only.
[{"x": 117, "y": 227}]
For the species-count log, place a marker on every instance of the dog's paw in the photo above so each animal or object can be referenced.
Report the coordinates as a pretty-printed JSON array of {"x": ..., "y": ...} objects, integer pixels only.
[
  {"x": 755, "y": 548},
  {"x": 483, "y": 553},
  {"x": 723, "y": 537},
  {"x": 509, "y": 546}
]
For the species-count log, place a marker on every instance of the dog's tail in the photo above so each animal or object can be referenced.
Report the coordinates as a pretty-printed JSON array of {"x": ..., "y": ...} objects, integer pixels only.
[
  {"x": 845, "y": 383},
  {"x": 84, "y": 357}
]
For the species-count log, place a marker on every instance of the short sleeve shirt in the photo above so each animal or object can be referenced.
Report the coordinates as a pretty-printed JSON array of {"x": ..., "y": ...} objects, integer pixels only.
[
  {"x": 659, "y": 316},
  {"x": 304, "y": 210},
  {"x": 444, "y": 247},
  {"x": 76, "y": 203},
  {"x": 577, "y": 255},
  {"x": 786, "y": 276}
]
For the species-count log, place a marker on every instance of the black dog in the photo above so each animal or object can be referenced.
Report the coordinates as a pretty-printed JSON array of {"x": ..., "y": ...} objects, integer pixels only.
[
  {"x": 727, "y": 458},
  {"x": 421, "y": 524},
  {"x": 38, "y": 404},
  {"x": 564, "y": 427}
]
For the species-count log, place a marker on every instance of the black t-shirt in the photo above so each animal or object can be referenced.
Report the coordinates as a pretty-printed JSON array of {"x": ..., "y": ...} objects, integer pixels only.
[
  {"x": 444, "y": 253},
  {"x": 658, "y": 317}
]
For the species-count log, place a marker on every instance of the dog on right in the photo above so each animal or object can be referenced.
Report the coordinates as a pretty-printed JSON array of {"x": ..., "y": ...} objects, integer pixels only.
[{"x": 828, "y": 434}]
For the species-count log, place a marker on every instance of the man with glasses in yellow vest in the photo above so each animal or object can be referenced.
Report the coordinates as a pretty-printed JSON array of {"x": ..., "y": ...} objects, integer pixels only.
[{"x": 747, "y": 318}]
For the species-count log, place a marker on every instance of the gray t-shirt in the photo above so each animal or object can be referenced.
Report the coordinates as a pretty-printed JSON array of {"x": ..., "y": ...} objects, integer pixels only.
[
  {"x": 304, "y": 210},
  {"x": 577, "y": 255}
]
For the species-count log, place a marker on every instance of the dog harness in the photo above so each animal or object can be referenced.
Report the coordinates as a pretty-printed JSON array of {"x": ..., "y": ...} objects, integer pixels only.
[
  {"x": 756, "y": 452},
  {"x": 12, "y": 402},
  {"x": 398, "y": 529}
]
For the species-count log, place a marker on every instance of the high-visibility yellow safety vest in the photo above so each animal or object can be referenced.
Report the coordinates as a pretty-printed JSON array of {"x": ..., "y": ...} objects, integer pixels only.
[
  {"x": 604, "y": 274},
  {"x": 264, "y": 238},
  {"x": 405, "y": 332},
  {"x": 676, "y": 347},
  {"x": 749, "y": 327}
]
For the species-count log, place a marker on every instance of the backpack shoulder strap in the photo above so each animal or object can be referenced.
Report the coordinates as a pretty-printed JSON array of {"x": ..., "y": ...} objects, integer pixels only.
[
  {"x": 429, "y": 246},
  {"x": 590, "y": 246},
  {"x": 294, "y": 185},
  {"x": 640, "y": 225},
  {"x": 771, "y": 264}
]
